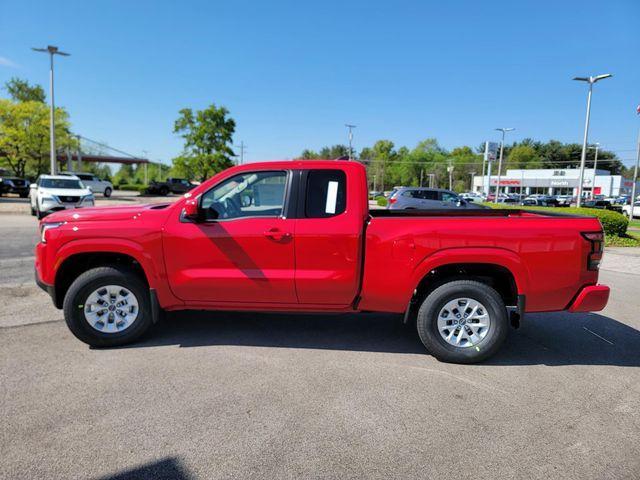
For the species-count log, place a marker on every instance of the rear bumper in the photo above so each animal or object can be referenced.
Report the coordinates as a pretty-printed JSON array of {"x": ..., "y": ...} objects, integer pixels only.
[{"x": 590, "y": 299}]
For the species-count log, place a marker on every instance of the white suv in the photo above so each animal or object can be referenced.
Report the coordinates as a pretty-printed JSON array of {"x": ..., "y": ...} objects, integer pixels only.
[
  {"x": 626, "y": 210},
  {"x": 93, "y": 182},
  {"x": 51, "y": 193}
]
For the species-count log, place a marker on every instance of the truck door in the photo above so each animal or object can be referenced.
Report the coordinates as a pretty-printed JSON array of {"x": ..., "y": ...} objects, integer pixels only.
[
  {"x": 327, "y": 241},
  {"x": 243, "y": 251}
]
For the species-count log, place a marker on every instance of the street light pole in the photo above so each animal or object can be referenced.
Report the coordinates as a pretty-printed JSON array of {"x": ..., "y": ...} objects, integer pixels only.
[
  {"x": 503, "y": 130},
  {"x": 473, "y": 176},
  {"x": 350, "y": 127},
  {"x": 635, "y": 177},
  {"x": 583, "y": 158},
  {"x": 51, "y": 50}
]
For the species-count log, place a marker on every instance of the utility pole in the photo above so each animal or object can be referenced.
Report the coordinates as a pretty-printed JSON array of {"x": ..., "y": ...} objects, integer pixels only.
[
  {"x": 503, "y": 130},
  {"x": 51, "y": 50},
  {"x": 595, "y": 166},
  {"x": 146, "y": 172},
  {"x": 450, "y": 170},
  {"x": 350, "y": 127},
  {"x": 473, "y": 177},
  {"x": 432, "y": 179},
  {"x": 421, "y": 175},
  {"x": 79, "y": 161},
  {"x": 583, "y": 158},
  {"x": 242, "y": 147}
]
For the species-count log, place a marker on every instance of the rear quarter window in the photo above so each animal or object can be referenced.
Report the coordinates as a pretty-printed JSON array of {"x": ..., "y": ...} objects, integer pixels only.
[{"x": 326, "y": 193}]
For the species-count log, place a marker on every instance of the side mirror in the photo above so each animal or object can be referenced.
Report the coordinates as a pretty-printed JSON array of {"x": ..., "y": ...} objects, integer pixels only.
[
  {"x": 90, "y": 189},
  {"x": 461, "y": 203},
  {"x": 191, "y": 209}
]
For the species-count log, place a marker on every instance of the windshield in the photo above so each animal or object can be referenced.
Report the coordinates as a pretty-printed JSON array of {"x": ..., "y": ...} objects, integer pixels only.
[{"x": 60, "y": 183}]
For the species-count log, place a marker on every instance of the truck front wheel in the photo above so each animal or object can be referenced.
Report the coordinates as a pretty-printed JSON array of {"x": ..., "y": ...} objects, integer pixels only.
[
  {"x": 107, "y": 307},
  {"x": 463, "y": 321}
]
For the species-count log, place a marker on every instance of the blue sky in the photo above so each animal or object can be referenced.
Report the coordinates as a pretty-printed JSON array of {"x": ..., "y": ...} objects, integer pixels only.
[{"x": 293, "y": 73}]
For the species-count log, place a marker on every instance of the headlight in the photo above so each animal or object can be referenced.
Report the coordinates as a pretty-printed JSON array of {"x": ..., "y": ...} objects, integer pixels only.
[
  {"x": 49, "y": 198},
  {"x": 46, "y": 227}
]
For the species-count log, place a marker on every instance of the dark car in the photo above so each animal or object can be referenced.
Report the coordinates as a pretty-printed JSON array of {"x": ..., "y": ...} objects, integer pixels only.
[
  {"x": 16, "y": 185},
  {"x": 540, "y": 201},
  {"x": 602, "y": 204},
  {"x": 171, "y": 185}
]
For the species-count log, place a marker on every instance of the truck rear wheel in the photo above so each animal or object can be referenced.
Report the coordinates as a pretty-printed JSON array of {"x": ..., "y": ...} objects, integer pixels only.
[
  {"x": 463, "y": 321},
  {"x": 107, "y": 307}
]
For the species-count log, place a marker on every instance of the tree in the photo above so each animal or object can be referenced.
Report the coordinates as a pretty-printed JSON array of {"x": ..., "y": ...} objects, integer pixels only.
[
  {"x": 523, "y": 156},
  {"x": 24, "y": 136},
  {"x": 208, "y": 136},
  {"x": 20, "y": 91}
]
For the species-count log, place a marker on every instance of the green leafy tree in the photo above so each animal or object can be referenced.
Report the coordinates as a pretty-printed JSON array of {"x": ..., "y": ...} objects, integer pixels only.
[
  {"x": 21, "y": 91},
  {"x": 24, "y": 136},
  {"x": 523, "y": 156},
  {"x": 208, "y": 136}
]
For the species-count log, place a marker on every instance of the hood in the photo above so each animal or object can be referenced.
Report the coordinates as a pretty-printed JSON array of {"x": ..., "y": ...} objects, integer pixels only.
[
  {"x": 65, "y": 192},
  {"x": 96, "y": 214}
]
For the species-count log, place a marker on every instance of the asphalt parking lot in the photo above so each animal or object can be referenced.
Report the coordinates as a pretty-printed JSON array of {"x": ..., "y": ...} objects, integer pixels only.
[{"x": 219, "y": 395}]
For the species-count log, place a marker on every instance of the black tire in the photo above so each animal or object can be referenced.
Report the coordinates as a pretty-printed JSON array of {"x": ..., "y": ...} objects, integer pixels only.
[
  {"x": 107, "y": 192},
  {"x": 88, "y": 282},
  {"x": 164, "y": 191},
  {"x": 427, "y": 322}
]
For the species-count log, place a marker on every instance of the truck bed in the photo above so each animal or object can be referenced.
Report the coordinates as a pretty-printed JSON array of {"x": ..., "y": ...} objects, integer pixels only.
[{"x": 482, "y": 212}]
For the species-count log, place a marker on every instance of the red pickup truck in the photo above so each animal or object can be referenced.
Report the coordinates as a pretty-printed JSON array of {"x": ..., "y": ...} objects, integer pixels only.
[{"x": 299, "y": 236}]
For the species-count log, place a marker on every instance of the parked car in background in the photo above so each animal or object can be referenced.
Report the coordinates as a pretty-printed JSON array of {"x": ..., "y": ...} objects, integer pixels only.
[
  {"x": 373, "y": 194},
  {"x": 565, "y": 200},
  {"x": 17, "y": 185},
  {"x": 51, "y": 193},
  {"x": 626, "y": 210},
  {"x": 171, "y": 185},
  {"x": 602, "y": 204},
  {"x": 540, "y": 201},
  {"x": 472, "y": 197},
  {"x": 92, "y": 181},
  {"x": 420, "y": 198}
]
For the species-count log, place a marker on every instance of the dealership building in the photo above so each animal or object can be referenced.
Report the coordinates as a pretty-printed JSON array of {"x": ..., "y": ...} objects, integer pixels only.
[{"x": 557, "y": 182}]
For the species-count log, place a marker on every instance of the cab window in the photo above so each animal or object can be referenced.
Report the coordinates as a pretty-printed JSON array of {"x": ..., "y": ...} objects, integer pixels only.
[{"x": 251, "y": 194}]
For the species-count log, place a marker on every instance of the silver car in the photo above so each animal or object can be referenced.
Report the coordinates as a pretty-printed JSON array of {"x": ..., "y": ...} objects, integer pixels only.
[{"x": 418, "y": 198}]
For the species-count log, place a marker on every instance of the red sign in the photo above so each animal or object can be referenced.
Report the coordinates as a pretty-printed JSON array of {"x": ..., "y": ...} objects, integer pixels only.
[
  {"x": 505, "y": 182},
  {"x": 597, "y": 190}
]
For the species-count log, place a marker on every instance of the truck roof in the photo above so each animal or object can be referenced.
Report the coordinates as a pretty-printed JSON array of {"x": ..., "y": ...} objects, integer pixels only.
[{"x": 297, "y": 163}]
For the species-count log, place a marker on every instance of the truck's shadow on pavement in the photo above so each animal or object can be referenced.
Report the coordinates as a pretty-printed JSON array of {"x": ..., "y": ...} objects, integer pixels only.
[{"x": 543, "y": 339}]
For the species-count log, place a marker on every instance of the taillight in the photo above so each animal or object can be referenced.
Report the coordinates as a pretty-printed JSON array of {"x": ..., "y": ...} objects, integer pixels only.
[
  {"x": 393, "y": 200},
  {"x": 596, "y": 239}
]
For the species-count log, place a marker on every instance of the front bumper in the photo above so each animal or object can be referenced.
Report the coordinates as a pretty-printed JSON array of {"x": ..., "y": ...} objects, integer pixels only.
[
  {"x": 590, "y": 299},
  {"x": 50, "y": 289}
]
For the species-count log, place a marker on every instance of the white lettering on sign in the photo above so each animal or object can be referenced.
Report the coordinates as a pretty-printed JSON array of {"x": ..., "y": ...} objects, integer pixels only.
[{"x": 332, "y": 197}]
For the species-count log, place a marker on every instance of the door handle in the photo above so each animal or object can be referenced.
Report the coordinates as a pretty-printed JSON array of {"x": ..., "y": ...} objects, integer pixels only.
[{"x": 277, "y": 235}]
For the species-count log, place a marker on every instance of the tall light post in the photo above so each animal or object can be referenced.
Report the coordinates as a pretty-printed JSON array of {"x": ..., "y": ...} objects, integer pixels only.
[
  {"x": 51, "y": 50},
  {"x": 635, "y": 175},
  {"x": 350, "y": 127},
  {"x": 595, "y": 166},
  {"x": 503, "y": 130},
  {"x": 473, "y": 176},
  {"x": 583, "y": 158}
]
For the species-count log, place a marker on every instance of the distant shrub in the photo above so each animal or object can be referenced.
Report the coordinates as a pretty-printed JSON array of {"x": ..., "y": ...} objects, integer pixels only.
[{"x": 381, "y": 201}]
